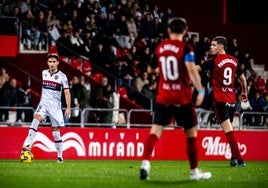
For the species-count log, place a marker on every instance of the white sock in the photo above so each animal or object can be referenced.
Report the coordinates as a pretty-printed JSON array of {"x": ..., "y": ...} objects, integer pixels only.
[
  {"x": 32, "y": 132},
  {"x": 58, "y": 143},
  {"x": 195, "y": 170}
]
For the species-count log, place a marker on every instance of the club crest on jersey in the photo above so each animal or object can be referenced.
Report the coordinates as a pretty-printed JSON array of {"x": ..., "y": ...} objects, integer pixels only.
[{"x": 56, "y": 77}]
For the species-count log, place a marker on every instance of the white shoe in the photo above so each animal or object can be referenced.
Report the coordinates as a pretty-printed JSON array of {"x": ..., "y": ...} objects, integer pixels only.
[
  {"x": 197, "y": 174},
  {"x": 26, "y": 147},
  {"x": 145, "y": 170}
]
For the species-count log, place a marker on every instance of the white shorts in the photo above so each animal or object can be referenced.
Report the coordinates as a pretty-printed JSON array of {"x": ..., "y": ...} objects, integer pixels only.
[{"x": 54, "y": 113}]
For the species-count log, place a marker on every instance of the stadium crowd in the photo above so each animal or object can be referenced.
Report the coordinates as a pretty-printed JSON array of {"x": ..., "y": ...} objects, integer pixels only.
[{"x": 118, "y": 38}]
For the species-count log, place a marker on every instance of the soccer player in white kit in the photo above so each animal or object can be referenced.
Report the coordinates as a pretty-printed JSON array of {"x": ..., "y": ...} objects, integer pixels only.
[{"x": 53, "y": 81}]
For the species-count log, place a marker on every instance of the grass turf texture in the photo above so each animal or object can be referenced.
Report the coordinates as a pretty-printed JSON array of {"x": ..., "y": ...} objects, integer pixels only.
[{"x": 101, "y": 173}]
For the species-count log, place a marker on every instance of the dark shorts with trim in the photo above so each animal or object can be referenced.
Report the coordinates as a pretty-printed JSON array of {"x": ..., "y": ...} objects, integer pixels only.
[
  {"x": 184, "y": 115},
  {"x": 223, "y": 111}
]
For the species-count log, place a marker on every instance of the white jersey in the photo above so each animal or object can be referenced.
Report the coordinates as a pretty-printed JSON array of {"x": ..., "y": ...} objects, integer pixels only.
[
  {"x": 50, "y": 103},
  {"x": 52, "y": 85}
]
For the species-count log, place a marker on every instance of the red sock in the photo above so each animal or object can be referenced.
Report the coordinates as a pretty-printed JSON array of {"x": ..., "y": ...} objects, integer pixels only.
[
  {"x": 192, "y": 152},
  {"x": 149, "y": 146},
  {"x": 233, "y": 144}
]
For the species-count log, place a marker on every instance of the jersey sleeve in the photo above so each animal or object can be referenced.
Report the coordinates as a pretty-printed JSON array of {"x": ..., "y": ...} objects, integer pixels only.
[
  {"x": 189, "y": 54},
  {"x": 65, "y": 83}
]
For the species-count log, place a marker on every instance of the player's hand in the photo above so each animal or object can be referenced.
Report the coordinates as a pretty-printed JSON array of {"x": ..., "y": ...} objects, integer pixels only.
[
  {"x": 68, "y": 113},
  {"x": 244, "y": 97}
]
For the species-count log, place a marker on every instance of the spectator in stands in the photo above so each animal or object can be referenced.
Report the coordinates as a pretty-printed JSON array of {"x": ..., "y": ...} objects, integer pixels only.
[
  {"x": 41, "y": 25},
  {"x": 132, "y": 29},
  {"x": 146, "y": 57},
  {"x": 36, "y": 7},
  {"x": 87, "y": 39},
  {"x": 80, "y": 95},
  {"x": 232, "y": 46},
  {"x": 68, "y": 25},
  {"x": 78, "y": 45},
  {"x": 100, "y": 57},
  {"x": 134, "y": 8},
  {"x": 137, "y": 84},
  {"x": 133, "y": 53},
  {"x": 202, "y": 46},
  {"x": 138, "y": 21},
  {"x": 8, "y": 98},
  {"x": 156, "y": 12},
  {"x": 102, "y": 97},
  {"x": 91, "y": 22},
  {"x": 148, "y": 31},
  {"x": 146, "y": 9},
  {"x": 167, "y": 15},
  {"x": 13, "y": 26},
  {"x": 263, "y": 104},
  {"x": 246, "y": 60},
  {"x": 4, "y": 76},
  {"x": 159, "y": 30},
  {"x": 24, "y": 100},
  {"x": 64, "y": 44},
  {"x": 24, "y": 5},
  {"x": 53, "y": 27},
  {"x": 260, "y": 84},
  {"x": 136, "y": 66},
  {"x": 30, "y": 33},
  {"x": 149, "y": 93},
  {"x": 244, "y": 106},
  {"x": 266, "y": 85},
  {"x": 193, "y": 40},
  {"x": 122, "y": 32},
  {"x": 64, "y": 10},
  {"x": 254, "y": 102},
  {"x": 109, "y": 25},
  {"x": 123, "y": 72},
  {"x": 77, "y": 21}
]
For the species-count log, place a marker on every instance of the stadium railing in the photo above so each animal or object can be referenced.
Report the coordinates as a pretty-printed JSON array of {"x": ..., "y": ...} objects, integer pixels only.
[{"x": 206, "y": 118}]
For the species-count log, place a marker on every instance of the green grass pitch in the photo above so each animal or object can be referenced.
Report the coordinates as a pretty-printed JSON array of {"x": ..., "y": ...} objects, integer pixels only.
[{"x": 125, "y": 174}]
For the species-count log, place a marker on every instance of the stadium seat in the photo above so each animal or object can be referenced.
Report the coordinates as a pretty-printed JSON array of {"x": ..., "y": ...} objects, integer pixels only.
[
  {"x": 97, "y": 76},
  {"x": 86, "y": 67},
  {"x": 64, "y": 58},
  {"x": 52, "y": 49},
  {"x": 122, "y": 91},
  {"x": 75, "y": 63}
]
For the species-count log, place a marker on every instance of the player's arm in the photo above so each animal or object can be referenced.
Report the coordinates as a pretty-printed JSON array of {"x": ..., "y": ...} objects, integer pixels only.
[
  {"x": 153, "y": 68},
  {"x": 68, "y": 102},
  {"x": 195, "y": 77},
  {"x": 243, "y": 82}
]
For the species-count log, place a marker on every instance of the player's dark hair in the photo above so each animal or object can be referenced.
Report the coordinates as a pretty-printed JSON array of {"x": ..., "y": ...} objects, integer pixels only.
[
  {"x": 221, "y": 40},
  {"x": 177, "y": 25},
  {"x": 53, "y": 55}
]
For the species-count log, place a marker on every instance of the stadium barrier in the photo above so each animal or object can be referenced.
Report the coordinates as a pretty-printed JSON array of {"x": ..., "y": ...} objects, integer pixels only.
[
  {"x": 127, "y": 144},
  {"x": 123, "y": 118}
]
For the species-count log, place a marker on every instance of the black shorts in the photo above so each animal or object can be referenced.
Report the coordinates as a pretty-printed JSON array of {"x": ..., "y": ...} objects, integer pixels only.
[
  {"x": 184, "y": 115},
  {"x": 223, "y": 111}
]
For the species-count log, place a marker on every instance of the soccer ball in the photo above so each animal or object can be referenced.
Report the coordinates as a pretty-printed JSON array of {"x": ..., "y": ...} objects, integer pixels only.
[{"x": 26, "y": 157}]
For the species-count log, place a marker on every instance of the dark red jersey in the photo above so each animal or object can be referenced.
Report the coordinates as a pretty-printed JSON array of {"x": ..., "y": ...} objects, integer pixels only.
[
  {"x": 174, "y": 85},
  {"x": 224, "y": 69}
]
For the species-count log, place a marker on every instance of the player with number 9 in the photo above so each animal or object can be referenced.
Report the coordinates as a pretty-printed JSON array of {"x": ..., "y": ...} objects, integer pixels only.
[{"x": 224, "y": 69}]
